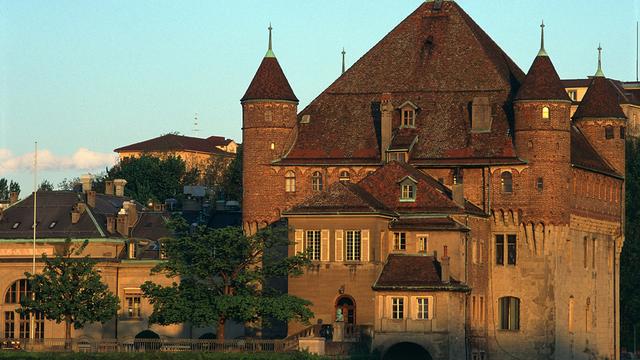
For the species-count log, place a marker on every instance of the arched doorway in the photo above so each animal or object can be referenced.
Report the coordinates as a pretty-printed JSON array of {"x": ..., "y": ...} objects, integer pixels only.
[
  {"x": 348, "y": 306},
  {"x": 147, "y": 340},
  {"x": 406, "y": 350}
]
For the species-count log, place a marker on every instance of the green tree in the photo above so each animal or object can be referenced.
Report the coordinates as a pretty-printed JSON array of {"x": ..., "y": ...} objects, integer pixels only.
[
  {"x": 630, "y": 257},
  {"x": 14, "y": 187},
  {"x": 68, "y": 184},
  {"x": 232, "y": 180},
  {"x": 45, "y": 185},
  {"x": 69, "y": 289},
  {"x": 153, "y": 178},
  {"x": 223, "y": 276},
  {"x": 4, "y": 189}
]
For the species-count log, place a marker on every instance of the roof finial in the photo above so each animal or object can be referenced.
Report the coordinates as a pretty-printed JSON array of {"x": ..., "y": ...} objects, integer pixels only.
[
  {"x": 343, "y": 53},
  {"x": 270, "y": 50},
  {"x": 599, "y": 72},
  {"x": 542, "y": 51}
]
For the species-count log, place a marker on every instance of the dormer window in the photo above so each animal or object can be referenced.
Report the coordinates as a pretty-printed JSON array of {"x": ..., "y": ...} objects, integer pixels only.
[
  {"x": 408, "y": 114},
  {"x": 408, "y": 189},
  {"x": 545, "y": 112},
  {"x": 399, "y": 156}
]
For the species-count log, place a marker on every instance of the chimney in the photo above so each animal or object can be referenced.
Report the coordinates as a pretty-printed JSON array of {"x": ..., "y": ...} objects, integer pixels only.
[
  {"x": 108, "y": 187},
  {"x": 386, "y": 126},
  {"x": 85, "y": 180},
  {"x": 119, "y": 186},
  {"x": 121, "y": 223},
  {"x": 91, "y": 198},
  {"x": 80, "y": 207},
  {"x": 111, "y": 224},
  {"x": 13, "y": 197},
  {"x": 132, "y": 212},
  {"x": 444, "y": 267},
  {"x": 457, "y": 193}
]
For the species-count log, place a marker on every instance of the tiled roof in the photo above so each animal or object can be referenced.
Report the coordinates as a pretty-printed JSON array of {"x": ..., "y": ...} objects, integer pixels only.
[
  {"x": 443, "y": 52},
  {"x": 585, "y": 156},
  {"x": 602, "y": 100},
  {"x": 341, "y": 197},
  {"x": 269, "y": 83},
  {"x": 413, "y": 272},
  {"x": 542, "y": 82},
  {"x": 432, "y": 224},
  {"x": 172, "y": 142},
  {"x": 219, "y": 140},
  {"x": 150, "y": 225},
  {"x": 403, "y": 139}
]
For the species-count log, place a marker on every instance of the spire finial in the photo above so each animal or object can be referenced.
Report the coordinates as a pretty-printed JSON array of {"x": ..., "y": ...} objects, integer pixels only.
[
  {"x": 599, "y": 72},
  {"x": 270, "y": 50},
  {"x": 542, "y": 51},
  {"x": 343, "y": 53}
]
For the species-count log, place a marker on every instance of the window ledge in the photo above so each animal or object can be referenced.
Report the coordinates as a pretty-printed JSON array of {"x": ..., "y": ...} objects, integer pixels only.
[{"x": 407, "y": 200}]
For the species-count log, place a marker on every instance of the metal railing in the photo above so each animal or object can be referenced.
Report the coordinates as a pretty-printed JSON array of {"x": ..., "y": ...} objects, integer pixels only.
[{"x": 143, "y": 345}]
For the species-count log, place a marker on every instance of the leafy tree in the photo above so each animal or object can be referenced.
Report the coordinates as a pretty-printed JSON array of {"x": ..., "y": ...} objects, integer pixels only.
[
  {"x": 68, "y": 184},
  {"x": 223, "y": 276},
  {"x": 14, "y": 187},
  {"x": 45, "y": 185},
  {"x": 153, "y": 178},
  {"x": 4, "y": 189},
  {"x": 232, "y": 181},
  {"x": 70, "y": 289},
  {"x": 630, "y": 257}
]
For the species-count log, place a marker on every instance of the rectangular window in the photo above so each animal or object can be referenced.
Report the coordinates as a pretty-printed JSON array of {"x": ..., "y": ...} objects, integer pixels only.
[
  {"x": 408, "y": 192},
  {"x": 481, "y": 309},
  {"x": 608, "y": 132},
  {"x": 509, "y": 313},
  {"x": 399, "y": 241},
  {"x": 353, "y": 245},
  {"x": 585, "y": 251},
  {"x": 408, "y": 118},
  {"x": 573, "y": 94},
  {"x": 132, "y": 302},
  {"x": 423, "y": 308},
  {"x": 511, "y": 249},
  {"x": 499, "y": 249},
  {"x": 9, "y": 325},
  {"x": 25, "y": 325},
  {"x": 397, "y": 308},
  {"x": 398, "y": 156},
  {"x": 593, "y": 253},
  {"x": 423, "y": 243},
  {"x": 313, "y": 244},
  {"x": 540, "y": 184}
]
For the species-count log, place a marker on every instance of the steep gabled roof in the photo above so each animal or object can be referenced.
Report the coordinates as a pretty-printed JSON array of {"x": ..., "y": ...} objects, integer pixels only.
[
  {"x": 437, "y": 59},
  {"x": 269, "y": 83},
  {"x": 542, "y": 82},
  {"x": 173, "y": 142},
  {"x": 602, "y": 100},
  {"x": 584, "y": 156}
]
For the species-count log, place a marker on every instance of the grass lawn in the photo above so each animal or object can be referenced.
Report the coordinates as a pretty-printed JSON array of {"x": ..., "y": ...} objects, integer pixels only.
[{"x": 158, "y": 356}]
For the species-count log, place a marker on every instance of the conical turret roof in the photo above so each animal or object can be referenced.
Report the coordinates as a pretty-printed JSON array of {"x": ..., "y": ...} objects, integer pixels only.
[
  {"x": 542, "y": 82},
  {"x": 600, "y": 101}
]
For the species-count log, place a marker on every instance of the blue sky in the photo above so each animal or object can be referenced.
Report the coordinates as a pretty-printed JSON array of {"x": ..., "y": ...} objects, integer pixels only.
[{"x": 85, "y": 77}]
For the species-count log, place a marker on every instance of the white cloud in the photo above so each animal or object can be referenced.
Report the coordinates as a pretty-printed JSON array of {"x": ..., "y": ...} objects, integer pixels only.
[{"x": 81, "y": 159}]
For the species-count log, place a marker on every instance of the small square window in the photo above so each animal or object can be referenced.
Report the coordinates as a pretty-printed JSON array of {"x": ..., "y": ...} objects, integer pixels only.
[
  {"x": 397, "y": 308},
  {"x": 408, "y": 192},
  {"x": 400, "y": 241}
]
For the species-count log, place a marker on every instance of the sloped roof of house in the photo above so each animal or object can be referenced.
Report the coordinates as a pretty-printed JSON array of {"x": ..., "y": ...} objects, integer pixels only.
[
  {"x": 414, "y": 272},
  {"x": 583, "y": 155},
  {"x": 602, "y": 100},
  {"x": 446, "y": 61},
  {"x": 269, "y": 83},
  {"x": 542, "y": 82},
  {"x": 173, "y": 142}
]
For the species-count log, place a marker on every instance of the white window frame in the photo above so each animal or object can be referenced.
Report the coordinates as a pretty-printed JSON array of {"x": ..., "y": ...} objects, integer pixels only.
[
  {"x": 399, "y": 241},
  {"x": 408, "y": 117},
  {"x": 421, "y": 308},
  {"x": 317, "y": 181},
  {"x": 398, "y": 308},
  {"x": 423, "y": 243},
  {"x": 353, "y": 245},
  {"x": 313, "y": 244},
  {"x": 290, "y": 181},
  {"x": 132, "y": 308}
]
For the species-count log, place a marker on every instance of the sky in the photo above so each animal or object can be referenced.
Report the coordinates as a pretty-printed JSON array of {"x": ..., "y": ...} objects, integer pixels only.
[{"x": 85, "y": 77}]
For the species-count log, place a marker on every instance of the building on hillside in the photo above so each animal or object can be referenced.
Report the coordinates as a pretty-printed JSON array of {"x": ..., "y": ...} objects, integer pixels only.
[
  {"x": 124, "y": 238},
  {"x": 449, "y": 201},
  {"x": 196, "y": 152}
]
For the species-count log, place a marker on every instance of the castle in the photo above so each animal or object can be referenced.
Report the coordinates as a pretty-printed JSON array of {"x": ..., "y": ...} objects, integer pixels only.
[{"x": 448, "y": 200}]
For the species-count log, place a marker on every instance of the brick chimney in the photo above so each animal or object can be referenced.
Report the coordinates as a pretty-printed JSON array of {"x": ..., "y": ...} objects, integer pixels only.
[
  {"x": 13, "y": 197},
  {"x": 119, "y": 186},
  {"x": 85, "y": 180},
  {"x": 445, "y": 267},
  {"x": 111, "y": 224},
  {"x": 386, "y": 124},
  {"x": 121, "y": 223},
  {"x": 457, "y": 193},
  {"x": 108, "y": 187},
  {"x": 91, "y": 198},
  {"x": 132, "y": 212}
]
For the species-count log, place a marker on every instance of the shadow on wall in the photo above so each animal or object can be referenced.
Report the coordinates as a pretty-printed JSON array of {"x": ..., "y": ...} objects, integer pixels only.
[{"x": 406, "y": 350}]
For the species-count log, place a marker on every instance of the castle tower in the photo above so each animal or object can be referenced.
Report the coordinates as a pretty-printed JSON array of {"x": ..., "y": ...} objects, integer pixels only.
[
  {"x": 543, "y": 139},
  {"x": 269, "y": 109},
  {"x": 601, "y": 119}
]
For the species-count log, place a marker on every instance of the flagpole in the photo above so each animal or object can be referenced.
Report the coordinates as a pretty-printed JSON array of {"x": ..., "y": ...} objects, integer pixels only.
[{"x": 32, "y": 332}]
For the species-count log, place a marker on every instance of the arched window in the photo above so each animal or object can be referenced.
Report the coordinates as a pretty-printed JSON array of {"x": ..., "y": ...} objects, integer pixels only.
[
  {"x": 545, "y": 112},
  {"x": 344, "y": 175},
  {"x": 608, "y": 132},
  {"x": 506, "y": 182},
  {"x": 18, "y": 290},
  {"x": 290, "y": 181},
  {"x": 316, "y": 181},
  {"x": 509, "y": 308}
]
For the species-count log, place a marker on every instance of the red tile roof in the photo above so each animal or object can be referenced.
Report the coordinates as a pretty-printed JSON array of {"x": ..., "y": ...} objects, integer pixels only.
[
  {"x": 542, "y": 82},
  {"x": 583, "y": 155},
  {"x": 602, "y": 100},
  {"x": 269, "y": 83},
  {"x": 431, "y": 224},
  {"x": 172, "y": 142},
  {"x": 442, "y": 52},
  {"x": 414, "y": 272}
]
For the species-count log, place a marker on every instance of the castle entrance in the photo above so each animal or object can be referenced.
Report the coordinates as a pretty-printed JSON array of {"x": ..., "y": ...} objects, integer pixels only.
[{"x": 348, "y": 306}]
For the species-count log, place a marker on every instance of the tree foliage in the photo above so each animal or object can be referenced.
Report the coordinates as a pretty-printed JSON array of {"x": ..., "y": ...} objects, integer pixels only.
[
  {"x": 69, "y": 184},
  {"x": 45, "y": 185},
  {"x": 69, "y": 289},
  {"x": 153, "y": 178},
  {"x": 630, "y": 257},
  {"x": 223, "y": 276},
  {"x": 7, "y": 187},
  {"x": 232, "y": 180}
]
